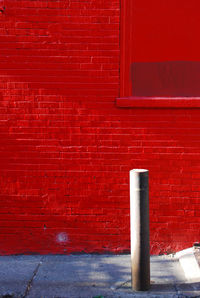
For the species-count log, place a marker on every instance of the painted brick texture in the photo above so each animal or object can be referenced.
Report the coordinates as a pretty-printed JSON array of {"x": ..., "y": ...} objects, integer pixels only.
[{"x": 66, "y": 148}]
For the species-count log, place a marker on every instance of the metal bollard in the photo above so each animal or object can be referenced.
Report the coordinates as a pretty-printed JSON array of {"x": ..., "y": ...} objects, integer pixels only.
[{"x": 139, "y": 213}]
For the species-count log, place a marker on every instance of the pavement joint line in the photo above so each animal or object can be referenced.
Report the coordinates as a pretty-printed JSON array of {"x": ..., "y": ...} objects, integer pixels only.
[
  {"x": 32, "y": 278},
  {"x": 120, "y": 285}
]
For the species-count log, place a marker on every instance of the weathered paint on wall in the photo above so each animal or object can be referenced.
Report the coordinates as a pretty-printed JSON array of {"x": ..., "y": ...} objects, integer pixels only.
[{"x": 66, "y": 149}]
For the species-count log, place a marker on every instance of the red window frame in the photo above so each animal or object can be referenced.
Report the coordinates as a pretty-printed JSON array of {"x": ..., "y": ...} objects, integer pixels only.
[
  {"x": 126, "y": 99},
  {"x": 125, "y": 50}
]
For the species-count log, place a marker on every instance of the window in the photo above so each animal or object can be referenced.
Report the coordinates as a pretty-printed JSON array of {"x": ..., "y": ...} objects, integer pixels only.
[{"x": 160, "y": 49}]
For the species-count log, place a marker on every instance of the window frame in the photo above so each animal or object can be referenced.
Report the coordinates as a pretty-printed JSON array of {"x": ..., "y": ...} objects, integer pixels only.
[{"x": 126, "y": 99}]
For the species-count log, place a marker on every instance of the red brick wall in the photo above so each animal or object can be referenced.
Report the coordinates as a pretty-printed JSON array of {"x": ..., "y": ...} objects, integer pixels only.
[{"x": 66, "y": 148}]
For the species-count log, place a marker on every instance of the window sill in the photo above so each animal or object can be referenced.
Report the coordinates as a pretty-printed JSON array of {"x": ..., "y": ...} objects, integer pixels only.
[{"x": 158, "y": 102}]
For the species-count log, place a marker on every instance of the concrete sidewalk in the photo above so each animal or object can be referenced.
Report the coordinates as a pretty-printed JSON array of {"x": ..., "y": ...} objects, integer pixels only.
[{"x": 89, "y": 276}]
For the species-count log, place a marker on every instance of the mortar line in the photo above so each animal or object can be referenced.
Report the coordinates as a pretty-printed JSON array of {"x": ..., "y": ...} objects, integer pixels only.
[{"x": 32, "y": 278}]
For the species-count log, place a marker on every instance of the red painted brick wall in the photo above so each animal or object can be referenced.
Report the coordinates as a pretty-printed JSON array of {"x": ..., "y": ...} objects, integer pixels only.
[{"x": 66, "y": 148}]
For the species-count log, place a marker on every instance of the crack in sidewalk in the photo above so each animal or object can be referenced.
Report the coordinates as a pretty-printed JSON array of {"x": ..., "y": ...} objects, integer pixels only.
[
  {"x": 119, "y": 285},
  {"x": 32, "y": 278}
]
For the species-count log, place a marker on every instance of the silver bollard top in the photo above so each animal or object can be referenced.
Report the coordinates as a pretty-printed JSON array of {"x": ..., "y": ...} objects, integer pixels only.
[
  {"x": 139, "y": 179},
  {"x": 139, "y": 170}
]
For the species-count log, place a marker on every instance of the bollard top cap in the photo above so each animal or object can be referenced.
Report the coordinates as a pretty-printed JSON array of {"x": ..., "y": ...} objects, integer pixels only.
[{"x": 139, "y": 170}]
